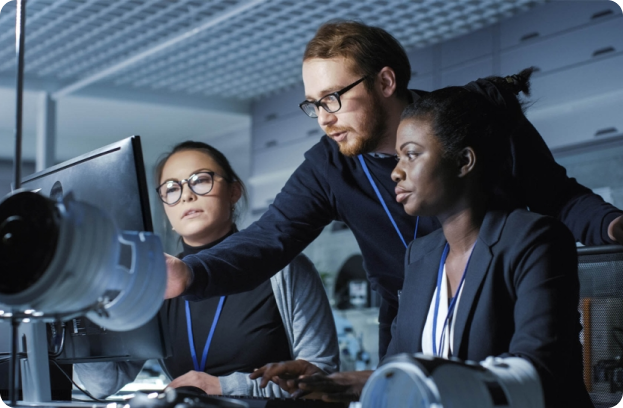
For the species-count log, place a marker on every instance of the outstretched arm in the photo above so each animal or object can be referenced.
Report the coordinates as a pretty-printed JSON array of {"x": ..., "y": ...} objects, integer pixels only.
[
  {"x": 549, "y": 190},
  {"x": 244, "y": 260}
]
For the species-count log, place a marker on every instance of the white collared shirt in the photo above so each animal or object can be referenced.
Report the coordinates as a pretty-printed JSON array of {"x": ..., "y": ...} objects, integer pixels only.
[{"x": 427, "y": 334}]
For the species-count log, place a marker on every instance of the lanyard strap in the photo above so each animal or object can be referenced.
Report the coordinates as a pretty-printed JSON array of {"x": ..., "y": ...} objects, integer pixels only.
[
  {"x": 191, "y": 340},
  {"x": 378, "y": 194},
  {"x": 450, "y": 313}
]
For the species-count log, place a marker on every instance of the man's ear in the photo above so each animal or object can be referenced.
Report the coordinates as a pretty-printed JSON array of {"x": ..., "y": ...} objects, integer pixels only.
[
  {"x": 467, "y": 161},
  {"x": 386, "y": 80}
]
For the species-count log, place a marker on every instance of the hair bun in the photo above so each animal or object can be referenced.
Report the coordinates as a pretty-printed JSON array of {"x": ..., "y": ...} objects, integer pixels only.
[{"x": 520, "y": 82}]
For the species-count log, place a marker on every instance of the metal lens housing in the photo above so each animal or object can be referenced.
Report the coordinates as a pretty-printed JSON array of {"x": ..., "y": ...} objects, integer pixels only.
[{"x": 60, "y": 259}]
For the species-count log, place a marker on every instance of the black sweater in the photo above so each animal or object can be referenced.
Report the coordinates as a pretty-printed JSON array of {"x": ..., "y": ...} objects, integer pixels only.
[
  {"x": 329, "y": 186},
  {"x": 249, "y": 332}
]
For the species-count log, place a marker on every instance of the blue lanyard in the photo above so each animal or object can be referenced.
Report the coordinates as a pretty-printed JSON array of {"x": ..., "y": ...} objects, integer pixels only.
[
  {"x": 442, "y": 262},
  {"x": 191, "y": 340},
  {"x": 378, "y": 194}
]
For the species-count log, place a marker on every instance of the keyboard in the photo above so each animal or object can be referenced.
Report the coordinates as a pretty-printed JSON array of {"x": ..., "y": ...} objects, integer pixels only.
[
  {"x": 188, "y": 399},
  {"x": 263, "y": 402}
]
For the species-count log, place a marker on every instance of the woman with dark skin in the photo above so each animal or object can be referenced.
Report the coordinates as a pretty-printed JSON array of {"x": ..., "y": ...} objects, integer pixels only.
[{"x": 495, "y": 280}]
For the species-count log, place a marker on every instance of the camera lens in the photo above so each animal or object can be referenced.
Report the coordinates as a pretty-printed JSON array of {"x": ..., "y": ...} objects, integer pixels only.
[{"x": 29, "y": 229}]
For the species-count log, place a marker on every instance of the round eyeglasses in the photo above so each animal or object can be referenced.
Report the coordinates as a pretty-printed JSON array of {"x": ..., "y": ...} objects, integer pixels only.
[
  {"x": 331, "y": 102},
  {"x": 170, "y": 192}
]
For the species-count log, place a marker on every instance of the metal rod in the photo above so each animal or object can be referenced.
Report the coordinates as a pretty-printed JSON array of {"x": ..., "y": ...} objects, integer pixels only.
[
  {"x": 13, "y": 363},
  {"x": 20, "y": 30}
]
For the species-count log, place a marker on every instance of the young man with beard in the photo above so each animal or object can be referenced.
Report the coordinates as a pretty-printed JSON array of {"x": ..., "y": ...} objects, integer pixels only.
[{"x": 356, "y": 79}]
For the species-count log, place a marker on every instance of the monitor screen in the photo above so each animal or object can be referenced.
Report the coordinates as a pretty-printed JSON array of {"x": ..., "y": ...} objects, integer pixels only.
[{"x": 113, "y": 179}]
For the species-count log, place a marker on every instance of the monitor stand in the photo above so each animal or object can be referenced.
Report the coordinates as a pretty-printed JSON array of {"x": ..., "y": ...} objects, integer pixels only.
[{"x": 35, "y": 371}]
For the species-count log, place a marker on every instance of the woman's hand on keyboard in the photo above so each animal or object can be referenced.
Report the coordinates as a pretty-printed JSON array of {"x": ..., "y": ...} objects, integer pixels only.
[
  {"x": 208, "y": 383},
  {"x": 283, "y": 374}
]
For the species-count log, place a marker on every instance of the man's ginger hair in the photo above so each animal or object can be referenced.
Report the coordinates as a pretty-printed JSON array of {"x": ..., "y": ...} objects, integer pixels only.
[{"x": 369, "y": 48}]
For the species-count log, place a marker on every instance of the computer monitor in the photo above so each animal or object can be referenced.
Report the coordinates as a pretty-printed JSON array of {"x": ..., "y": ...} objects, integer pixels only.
[{"x": 113, "y": 179}]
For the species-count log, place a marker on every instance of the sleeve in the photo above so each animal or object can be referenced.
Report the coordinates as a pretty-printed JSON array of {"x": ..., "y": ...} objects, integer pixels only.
[
  {"x": 313, "y": 328},
  {"x": 543, "y": 185},
  {"x": 548, "y": 190},
  {"x": 241, "y": 262},
  {"x": 309, "y": 324},
  {"x": 545, "y": 283},
  {"x": 241, "y": 384},
  {"x": 106, "y": 378},
  {"x": 392, "y": 347}
]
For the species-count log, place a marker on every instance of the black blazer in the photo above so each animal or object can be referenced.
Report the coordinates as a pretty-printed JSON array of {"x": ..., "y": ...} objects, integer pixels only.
[{"x": 520, "y": 298}]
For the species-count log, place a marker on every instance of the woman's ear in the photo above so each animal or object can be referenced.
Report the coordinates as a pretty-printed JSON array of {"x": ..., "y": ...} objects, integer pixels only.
[
  {"x": 235, "y": 192},
  {"x": 467, "y": 161},
  {"x": 386, "y": 78}
]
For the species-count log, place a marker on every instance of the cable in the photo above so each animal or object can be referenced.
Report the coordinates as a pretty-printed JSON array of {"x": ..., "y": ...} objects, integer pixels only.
[
  {"x": 85, "y": 392},
  {"x": 50, "y": 354},
  {"x": 61, "y": 346}
]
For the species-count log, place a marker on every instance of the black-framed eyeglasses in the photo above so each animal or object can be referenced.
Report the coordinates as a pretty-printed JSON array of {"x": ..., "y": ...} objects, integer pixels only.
[
  {"x": 201, "y": 183},
  {"x": 331, "y": 102}
]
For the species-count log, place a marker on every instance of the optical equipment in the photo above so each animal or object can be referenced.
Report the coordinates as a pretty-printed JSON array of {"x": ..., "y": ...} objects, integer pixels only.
[
  {"x": 417, "y": 380},
  {"x": 331, "y": 102},
  {"x": 59, "y": 259}
]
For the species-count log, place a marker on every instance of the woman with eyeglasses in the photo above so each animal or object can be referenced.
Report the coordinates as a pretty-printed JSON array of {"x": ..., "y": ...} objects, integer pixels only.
[{"x": 217, "y": 342}]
